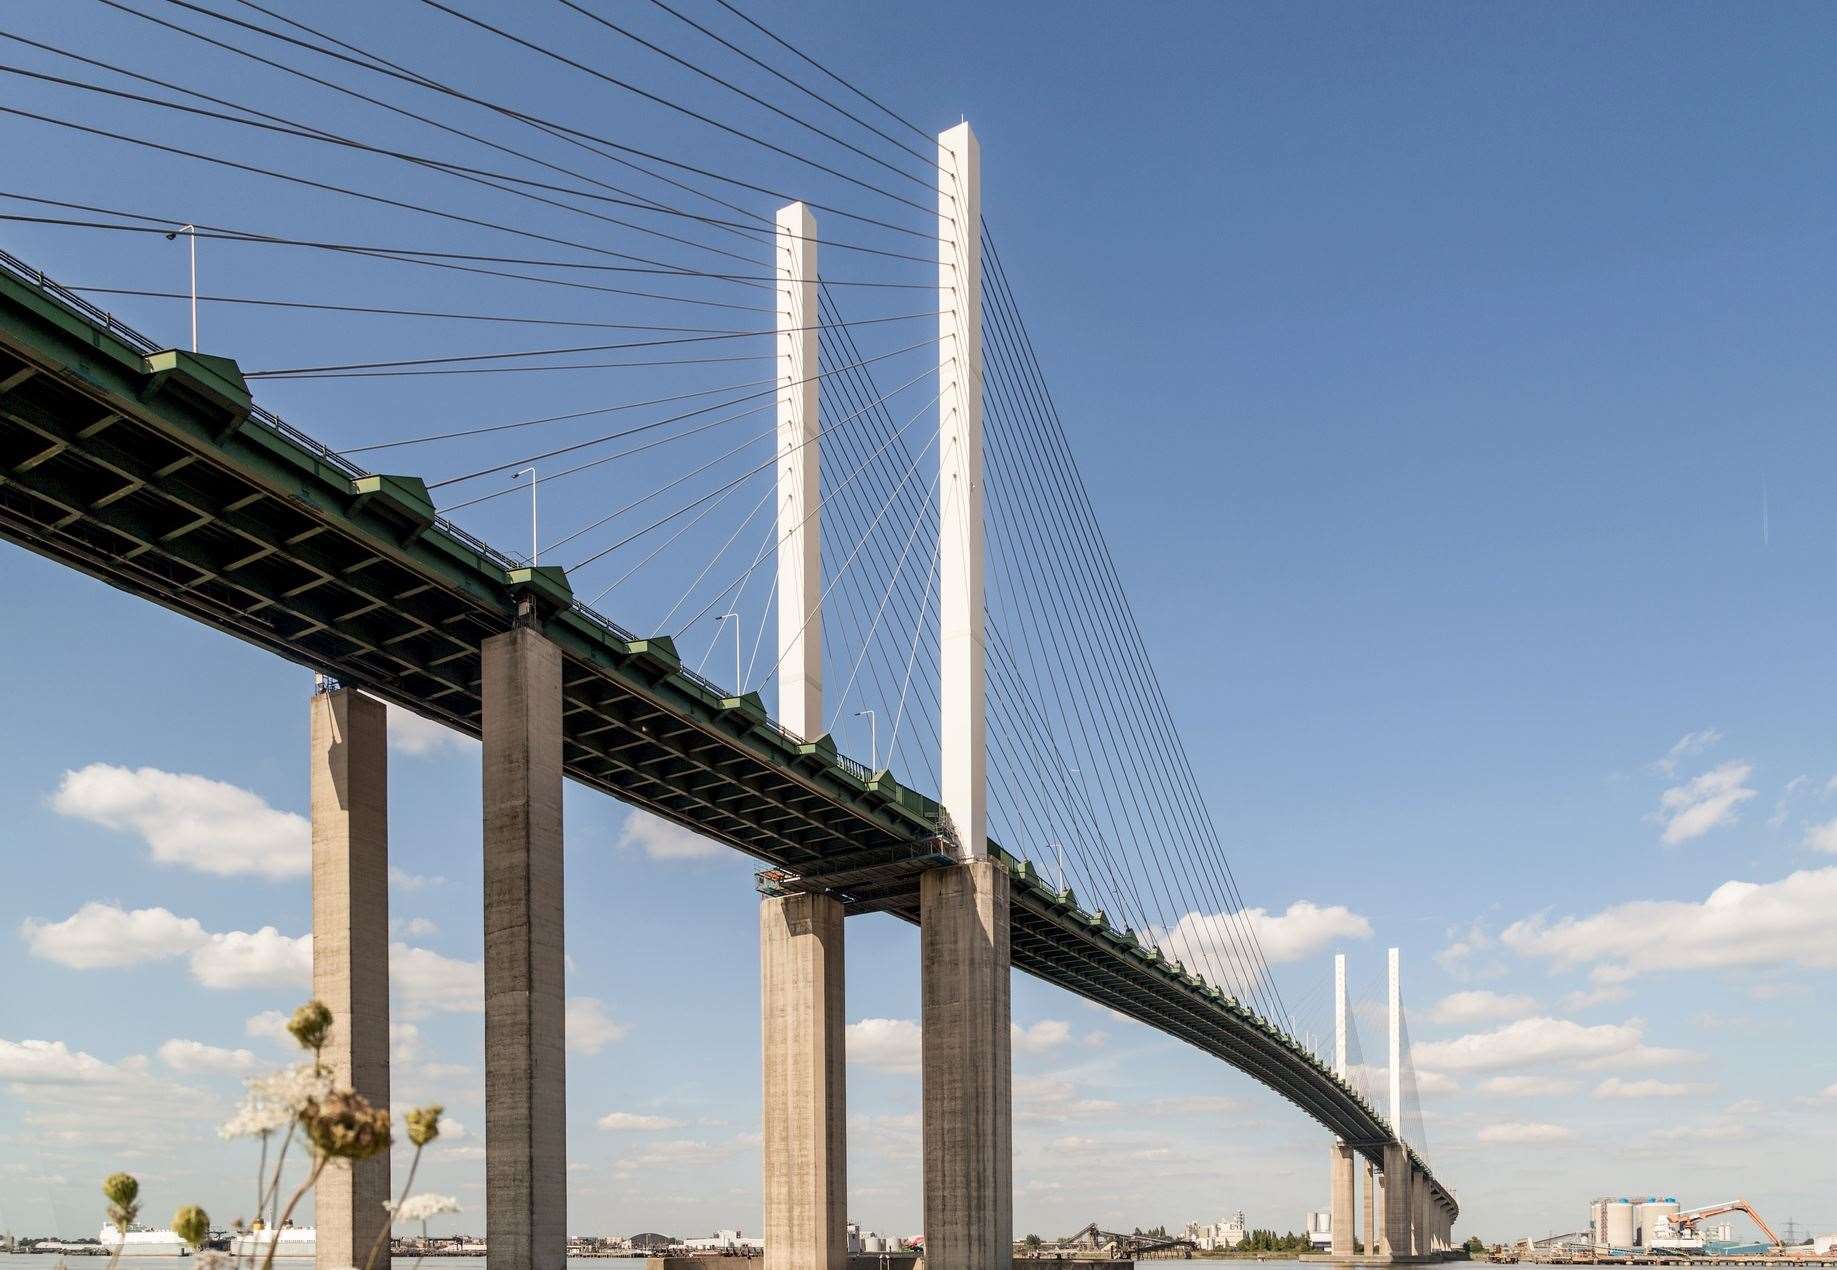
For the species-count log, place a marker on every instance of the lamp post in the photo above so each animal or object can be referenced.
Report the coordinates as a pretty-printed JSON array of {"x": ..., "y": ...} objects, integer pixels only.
[
  {"x": 873, "y": 740},
  {"x": 532, "y": 512},
  {"x": 191, "y": 233}
]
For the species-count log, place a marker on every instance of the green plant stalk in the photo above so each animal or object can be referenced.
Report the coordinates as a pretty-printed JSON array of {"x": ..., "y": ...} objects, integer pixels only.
[{"x": 389, "y": 1227}]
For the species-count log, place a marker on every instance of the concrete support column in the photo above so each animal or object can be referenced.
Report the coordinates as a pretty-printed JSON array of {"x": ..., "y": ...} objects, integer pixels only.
[
  {"x": 968, "y": 1146},
  {"x": 1419, "y": 1214},
  {"x": 801, "y": 1030},
  {"x": 1383, "y": 1244},
  {"x": 525, "y": 1034},
  {"x": 1340, "y": 1161},
  {"x": 1397, "y": 1169},
  {"x": 350, "y": 861},
  {"x": 1367, "y": 1205}
]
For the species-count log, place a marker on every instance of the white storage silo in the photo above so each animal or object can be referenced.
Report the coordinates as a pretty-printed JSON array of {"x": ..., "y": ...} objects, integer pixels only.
[
  {"x": 1656, "y": 1220},
  {"x": 1597, "y": 1222},
  {"x": 1622, "y": 1223}
]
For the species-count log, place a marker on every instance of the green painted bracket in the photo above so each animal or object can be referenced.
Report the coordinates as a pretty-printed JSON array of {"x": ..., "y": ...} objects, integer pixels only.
[{"x": 213, "y": 385}]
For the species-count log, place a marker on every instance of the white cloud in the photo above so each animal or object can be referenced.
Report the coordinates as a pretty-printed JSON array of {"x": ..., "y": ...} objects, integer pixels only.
[
  {"x": 1526, "y": 1134},
  {"x": 190, "y": 821},
  {"x": 1829, "y": 1091},
  {"x": 54, "y": 1063},
  {"x": 1701, "y": 804},
  {"x": 664, "y": 840},
  {"x": 590, "y": 1028},
  {"x": 104, "y": 936},
  {"x": 1739, "y": 924},
  {"x": 1204, "y": 941},
  {"x": 1527, "y": 1086},
  {"x": 427, "y": 982},
  {"x": 1197, "y": 1105},
  {"x": 633, "y": 1122},
  {"x": 1822, "y": 837},
  {"x": 1469, "y": 954},
  {"x": 451, "y": 1130},
  {"x": 888, "y": 1045},
  {"x": 1538, "y": 1042},
  {"x": 254, "y": 959},
  {"x": 1691, "y": 743},
  {"x": 402, "y": 880},
  {"x": 1431, "y": 1082},
  {"x": 1615, "y": 1088},
  {"x": 415, "y": 737},
  {"x": 1480, "y": 1006},
  {"x": 271, "y": 1025},
  {"x": 1042, "y": 1037},
  {"x": 195, "y": 1056},
  {"x": 420, "y": 927}
]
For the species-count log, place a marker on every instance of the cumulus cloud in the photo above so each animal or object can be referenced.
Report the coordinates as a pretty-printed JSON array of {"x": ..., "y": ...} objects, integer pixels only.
[
  {"x": 1526, "y": 1133},
  {"x": 1699, "y": 805},
  {"x": 54, "y": 1063},
  {"x": 1042, "y": 1037},
  {"x": 633, "y": 1122},
  {"x": 415, "y": 737},
  {"x": 1615, "y": 1088},
  {"x": 101, "y": 936},
  {"x": 271, "y": 1025},
  {"x": 197, "y": 1057},
  {"x": 402, "y": 880},
  {"x": 888, "y": 1045},
  {"x": 1739, "y": 924},
  {"x": 1204, "y": 940},
  {"x": 426, "y": 982},
  {"x": 104, "y": 936},
  {"x": 72, "y": 1099},
  {"x": 1197, "y": 1105},
  {"x": 661, "y": 839},
  {"x": 254, "y": 959},
  {"x": 190, "y": 821},
  {"x": 1822, "y": 837},
  {"x": 1480, "y": 1006},
  {"x": 590, "y": 1029},
  {"x": 1057, "y": 1099},
  {"x": 1540, "y": 1042}
]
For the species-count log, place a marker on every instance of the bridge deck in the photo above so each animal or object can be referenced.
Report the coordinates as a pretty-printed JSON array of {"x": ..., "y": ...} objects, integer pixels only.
[{"x": 153, "y": 471}]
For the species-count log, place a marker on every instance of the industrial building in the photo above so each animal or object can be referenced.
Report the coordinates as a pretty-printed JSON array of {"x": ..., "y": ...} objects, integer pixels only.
[
  {"x": 1624, "y": 1223},
  {"x": 1320, "y": 1229}
]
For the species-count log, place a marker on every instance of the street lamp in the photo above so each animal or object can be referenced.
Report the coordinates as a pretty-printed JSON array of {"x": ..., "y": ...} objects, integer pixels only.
[
  {"x": 717, "y": 635},
  {"x": 191, "y": 232},
  {"x": 873, "y": 740},
  {"x": 532, "y": 511}
]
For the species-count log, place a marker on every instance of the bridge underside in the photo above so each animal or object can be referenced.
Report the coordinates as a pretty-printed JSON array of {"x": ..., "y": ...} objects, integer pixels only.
[{"x": 152, "y": 471}]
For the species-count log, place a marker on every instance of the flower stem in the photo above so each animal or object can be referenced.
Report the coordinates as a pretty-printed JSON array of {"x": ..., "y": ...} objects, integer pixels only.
[
  {"x": 389, "y": 1227},
  {"x": 312, "y": 1178}
]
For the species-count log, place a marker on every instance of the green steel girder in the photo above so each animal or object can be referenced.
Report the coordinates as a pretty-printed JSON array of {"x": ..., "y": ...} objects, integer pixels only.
[{"x": 152, "y": 470}]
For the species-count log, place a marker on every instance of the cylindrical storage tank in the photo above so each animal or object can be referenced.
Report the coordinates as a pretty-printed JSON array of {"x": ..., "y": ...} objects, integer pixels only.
[
  {"x": 1622, "y": 1223},
  {"x": 1656, "y": 1219},
  {"x": 1597, "y": 1222}
]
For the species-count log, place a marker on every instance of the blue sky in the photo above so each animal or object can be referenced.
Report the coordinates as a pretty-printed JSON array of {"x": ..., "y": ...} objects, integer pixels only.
[{"x": 1428, "y": 365}]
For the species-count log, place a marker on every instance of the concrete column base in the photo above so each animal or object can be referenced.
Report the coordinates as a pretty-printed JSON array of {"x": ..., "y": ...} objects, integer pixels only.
[
  {"x": 1397, "y": 1170},
  {"x": 805, "y": 1152},
  {"x": 1340, "y": 1209},
  {"x": 350, "y": 863},
  {"x": 968, "y": 1128},
  {"x": 1368, "y": 1210},
  {"x": 526, "y": 1198}
]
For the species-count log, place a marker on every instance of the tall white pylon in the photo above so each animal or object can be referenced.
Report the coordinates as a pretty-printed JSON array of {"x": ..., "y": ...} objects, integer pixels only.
[
  {"x": 960, "y": 563},
  {"x": 1339, "y": 1015},
  {"x": 1396, "y": 1048},
  {"x": 800, "y": 557}
]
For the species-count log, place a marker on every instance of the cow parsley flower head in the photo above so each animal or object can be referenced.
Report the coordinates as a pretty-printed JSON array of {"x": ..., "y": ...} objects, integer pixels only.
[
  {"x": 275, "y": 1100},
  {"x": 424, "y": 1123},
  {"x": 344, "y": 1126},
  {"x": 418, "y": 1208},
  {"x": 191, "y": 1224},
  {"x": 311, "y": 1024}
]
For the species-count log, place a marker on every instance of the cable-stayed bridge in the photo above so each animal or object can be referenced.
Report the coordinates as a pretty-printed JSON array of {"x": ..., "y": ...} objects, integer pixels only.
[{"x": 903, "y": 537}]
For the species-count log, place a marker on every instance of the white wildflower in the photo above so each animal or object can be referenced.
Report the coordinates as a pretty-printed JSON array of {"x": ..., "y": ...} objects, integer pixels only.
[
  {"x": 417, "y": 1208},
  {"x": 274, "y": 1100}
]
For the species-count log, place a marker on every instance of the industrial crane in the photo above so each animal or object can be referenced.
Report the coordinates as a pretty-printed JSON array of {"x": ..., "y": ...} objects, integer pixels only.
[{"x": 1685, "y": 1223}]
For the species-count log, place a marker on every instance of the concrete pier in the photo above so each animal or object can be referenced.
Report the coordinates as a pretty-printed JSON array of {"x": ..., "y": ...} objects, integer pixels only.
[
  {"x": 1368, "y": 1207},
  {"x": 350, "y": 863},
  {"x": 525, "y": 1033},
  {"x": 1341, "y": 1207},
  {"x": 1397, "y": 1169},
  {"x": 803, "y": 1060},
  {"x": 968, "y": 1137}
]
